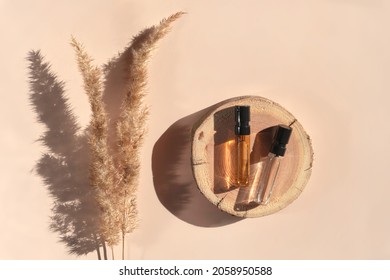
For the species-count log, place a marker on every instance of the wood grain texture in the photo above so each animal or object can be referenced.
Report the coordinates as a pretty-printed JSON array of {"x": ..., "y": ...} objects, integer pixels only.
[{"x": 213, "y": 151}]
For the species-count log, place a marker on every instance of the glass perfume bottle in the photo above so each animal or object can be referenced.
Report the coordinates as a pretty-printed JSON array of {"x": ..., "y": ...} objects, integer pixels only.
[
  {"x": 242, "y": 131},
  {"x": 271, "y": 165}
]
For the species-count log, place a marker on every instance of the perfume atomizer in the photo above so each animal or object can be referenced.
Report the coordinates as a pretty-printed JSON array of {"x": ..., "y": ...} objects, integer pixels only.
[
  {"x": 272, "y": 164},
  {"x": 264, "y": 176}
]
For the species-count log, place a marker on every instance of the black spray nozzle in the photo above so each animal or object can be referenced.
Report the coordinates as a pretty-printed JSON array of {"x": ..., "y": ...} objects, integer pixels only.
[
  {"x": 281, "y": 138},
  {"x": 242, "y": 116}
]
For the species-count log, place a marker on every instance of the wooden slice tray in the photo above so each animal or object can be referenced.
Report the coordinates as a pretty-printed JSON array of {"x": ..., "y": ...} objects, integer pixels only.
[{"x": 213, "y": 161}]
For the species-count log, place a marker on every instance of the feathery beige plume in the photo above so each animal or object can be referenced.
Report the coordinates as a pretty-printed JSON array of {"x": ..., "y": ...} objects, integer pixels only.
[
  {"x": 102, "y": 171},
  {"x": 131, "y": 125},
  {"x": 114, "y": 173}
]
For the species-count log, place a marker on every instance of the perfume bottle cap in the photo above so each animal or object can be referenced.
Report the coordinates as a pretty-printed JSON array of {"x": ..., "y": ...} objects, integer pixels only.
[
  {"x": 242, "y": 115},
  {"x": 281, "y": 139}
]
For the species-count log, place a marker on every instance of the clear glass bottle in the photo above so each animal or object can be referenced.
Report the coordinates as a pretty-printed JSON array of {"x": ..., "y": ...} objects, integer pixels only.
[
  {"x": 242, "y": 131},
  {"x": 269, "y": 173}
]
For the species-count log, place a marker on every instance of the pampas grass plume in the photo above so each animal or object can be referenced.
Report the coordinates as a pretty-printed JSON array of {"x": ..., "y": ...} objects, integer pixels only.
[{"x": 114, "y": 172}]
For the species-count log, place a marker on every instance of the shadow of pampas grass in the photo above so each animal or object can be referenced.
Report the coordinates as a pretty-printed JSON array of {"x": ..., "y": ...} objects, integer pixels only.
[
  {"x": 64, "y": 166},
  {"x": 93, "y": 174}
]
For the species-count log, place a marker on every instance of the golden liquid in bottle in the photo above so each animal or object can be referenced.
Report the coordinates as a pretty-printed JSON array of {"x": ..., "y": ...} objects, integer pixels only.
[{"x": 243, "y": 149}]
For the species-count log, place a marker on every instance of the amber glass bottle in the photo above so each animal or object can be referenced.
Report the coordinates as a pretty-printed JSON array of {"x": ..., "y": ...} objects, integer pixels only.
[{"x": 242, "y": 130}]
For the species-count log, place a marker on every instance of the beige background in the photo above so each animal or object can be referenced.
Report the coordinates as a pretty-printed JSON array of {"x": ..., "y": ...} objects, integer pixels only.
[{"x": 326, "y": 61}]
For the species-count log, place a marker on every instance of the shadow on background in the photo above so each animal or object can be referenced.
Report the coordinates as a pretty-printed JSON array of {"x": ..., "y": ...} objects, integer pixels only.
[
  {"x": 173, "y": 179},
  {"x": 64, "y": 167},
  {"x": 118, "y": 74}
]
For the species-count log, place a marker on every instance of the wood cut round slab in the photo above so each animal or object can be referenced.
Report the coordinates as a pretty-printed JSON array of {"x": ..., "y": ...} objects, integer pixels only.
[{"x": 213, "y": 155}]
